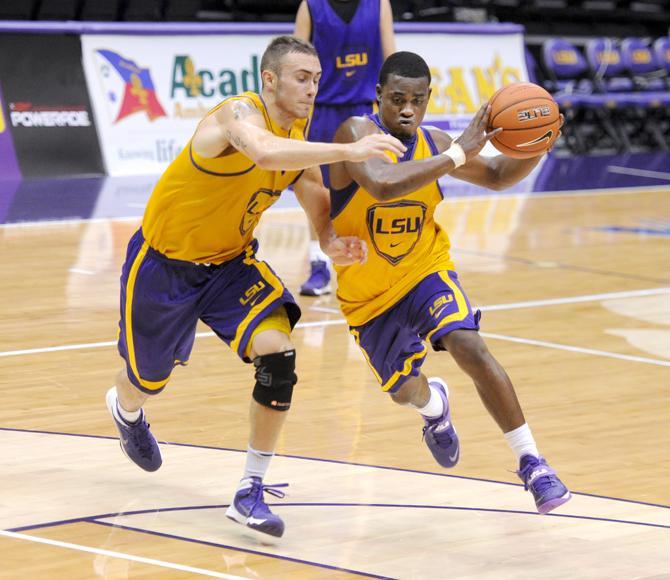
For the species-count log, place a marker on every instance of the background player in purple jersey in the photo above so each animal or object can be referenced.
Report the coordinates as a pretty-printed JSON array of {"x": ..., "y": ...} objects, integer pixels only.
[
  {"x": 352, "y": 39},
  {"x": 407, "y": 293}
]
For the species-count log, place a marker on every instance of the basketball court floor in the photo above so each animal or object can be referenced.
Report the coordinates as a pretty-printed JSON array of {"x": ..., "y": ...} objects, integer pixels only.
[{"x": 572, "y": 272}]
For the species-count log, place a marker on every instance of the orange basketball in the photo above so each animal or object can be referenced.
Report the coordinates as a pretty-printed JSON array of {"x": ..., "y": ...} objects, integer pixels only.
[{"x": 529, "y": 117}]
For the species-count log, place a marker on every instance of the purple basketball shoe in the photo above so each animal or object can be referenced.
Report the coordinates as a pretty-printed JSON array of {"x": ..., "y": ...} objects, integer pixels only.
[
  {"x": 318, "y": 282},
  {"x": 439, "y": 432},
  {"x": 249, "y": 508},
  {"x": 548, "y": 491},
  {"x": 137, "y": 442}
]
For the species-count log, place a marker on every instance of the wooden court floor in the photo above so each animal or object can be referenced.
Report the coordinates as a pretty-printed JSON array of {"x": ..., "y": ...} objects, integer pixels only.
[{"x": 575, "y": 293}]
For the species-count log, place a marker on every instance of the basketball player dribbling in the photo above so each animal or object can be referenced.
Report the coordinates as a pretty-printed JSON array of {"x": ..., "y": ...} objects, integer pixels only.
[
  {"x": 407, "y": 292},
  {"x": 194, "y": 259},
  {"x": 352, "y": 39}
]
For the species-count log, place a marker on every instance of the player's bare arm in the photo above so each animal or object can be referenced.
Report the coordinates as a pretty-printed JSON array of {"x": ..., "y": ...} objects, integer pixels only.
[
  {"x": 315, "y": 200},
  {"x": 303, "y": 22},
  {"x": 388, "y": 181},
  {"x": 240, "y": 125},
  {"x": 385, "y": 28},
  {"x": 497, "y": 173}
]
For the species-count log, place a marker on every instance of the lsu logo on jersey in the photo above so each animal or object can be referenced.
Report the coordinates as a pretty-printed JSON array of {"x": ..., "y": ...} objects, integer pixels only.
[
  {"x": 395, "y": 228},
  {"x": 351, "y": 61},
  {"x": 258, "y": 203}
]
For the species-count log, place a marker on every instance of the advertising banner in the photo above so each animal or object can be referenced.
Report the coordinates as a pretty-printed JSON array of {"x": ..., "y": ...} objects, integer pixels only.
[
  {"x": 46, "y": 105},
  {"x": 466, "y": 70},
  {"x": 149, "y": 92}
]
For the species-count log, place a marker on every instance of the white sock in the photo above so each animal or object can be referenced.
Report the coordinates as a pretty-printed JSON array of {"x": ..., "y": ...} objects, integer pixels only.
[
  {"x": 434, "y": 407},
  {"x": 521, "y": 441},
  {"x": 316, "y": 254},
  {"x": 128, "y": 416},
  {"x": 256, "y": 466}
]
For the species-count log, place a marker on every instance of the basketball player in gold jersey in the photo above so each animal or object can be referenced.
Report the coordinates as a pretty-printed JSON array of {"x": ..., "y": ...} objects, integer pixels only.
[
  {"x": 407, "y": 293},
  {"x": 194, "y": 259}
]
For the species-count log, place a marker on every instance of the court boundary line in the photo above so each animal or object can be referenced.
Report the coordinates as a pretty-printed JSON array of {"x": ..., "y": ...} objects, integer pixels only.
[
  {"x": 530, "y": 195},
  {"x": 119, "y": 555},
  {"x": 323, "y": 460}
]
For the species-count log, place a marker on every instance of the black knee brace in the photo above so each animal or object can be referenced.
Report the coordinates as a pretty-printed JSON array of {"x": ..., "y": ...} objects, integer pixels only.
[{"x": 275, "y": 377}]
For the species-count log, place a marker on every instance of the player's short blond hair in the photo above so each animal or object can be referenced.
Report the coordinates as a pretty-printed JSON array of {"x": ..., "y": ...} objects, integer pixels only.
[{"x": 280, "y": 47}]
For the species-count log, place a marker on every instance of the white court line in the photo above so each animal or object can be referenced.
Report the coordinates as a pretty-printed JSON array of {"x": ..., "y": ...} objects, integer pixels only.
[
  {"x": 510, "y": 306},
  {"x": 120, "y": 555},
  {"x": 638, "y": 172},
  {"x": 642, "y": 359},
  {"x": 576, "y": 299},
  {"x": 82, "y": 271}
]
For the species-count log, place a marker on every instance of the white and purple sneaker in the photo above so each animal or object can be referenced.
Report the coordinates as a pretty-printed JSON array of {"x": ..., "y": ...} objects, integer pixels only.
[
  {"x": 136, "y": 440},
  {"x": 542, "y": 481},
  {"x": 249, "y": 508},
  {"x": 439, "y": 432},
  {"x": 318, "y": 282}
]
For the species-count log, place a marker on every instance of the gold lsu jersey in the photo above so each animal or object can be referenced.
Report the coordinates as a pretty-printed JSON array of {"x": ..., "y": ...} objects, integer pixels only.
[
  {"x": 205, "y": 209},
  {"x": 404, "y": 243}
]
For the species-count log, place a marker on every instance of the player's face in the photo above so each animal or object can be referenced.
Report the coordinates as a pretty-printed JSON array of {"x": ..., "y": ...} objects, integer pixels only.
[
  {"x": 402, "y": 104},
  {"x": 297, "y": 83}
]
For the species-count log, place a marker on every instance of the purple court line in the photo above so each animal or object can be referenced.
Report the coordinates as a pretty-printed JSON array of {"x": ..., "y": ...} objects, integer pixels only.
[
  {"x": 95, "y": 518},
  {"x": 531, "y": 262},
  {"x": 237, "y": 549},
  {"x": 337, "y": 461}
]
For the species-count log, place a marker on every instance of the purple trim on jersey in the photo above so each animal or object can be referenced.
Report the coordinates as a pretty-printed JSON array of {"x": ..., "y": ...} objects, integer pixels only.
[
  {"x": 350, "y": 53},
  {"x": 214, "y": 173},
  {"x": 409, "y": 143},
  {"x": 340, "y": 198},
  {"x": 434, "y": 150}
]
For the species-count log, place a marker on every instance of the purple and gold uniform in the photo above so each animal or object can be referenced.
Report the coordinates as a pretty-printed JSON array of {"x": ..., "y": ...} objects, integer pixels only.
[
  {"x": 194, "y": 259},
  {"x": 407, "y": 291},
  {"x": 351, "y": 56}
]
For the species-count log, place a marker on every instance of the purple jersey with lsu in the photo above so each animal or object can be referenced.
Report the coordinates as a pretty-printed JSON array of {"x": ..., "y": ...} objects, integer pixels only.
[{"x": 350, "y": 53}]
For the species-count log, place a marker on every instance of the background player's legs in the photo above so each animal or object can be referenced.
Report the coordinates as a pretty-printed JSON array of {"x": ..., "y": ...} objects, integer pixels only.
[{"x": 318, "y": 282}]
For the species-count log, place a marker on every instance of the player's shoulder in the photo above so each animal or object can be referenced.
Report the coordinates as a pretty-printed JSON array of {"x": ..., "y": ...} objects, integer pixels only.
[
  {"x": 441, "y": 138},
  {"x": 353, "y": 128}
]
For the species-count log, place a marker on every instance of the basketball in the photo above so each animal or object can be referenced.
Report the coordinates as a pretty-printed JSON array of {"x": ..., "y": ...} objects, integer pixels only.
[{"x": 529, "y": 117}]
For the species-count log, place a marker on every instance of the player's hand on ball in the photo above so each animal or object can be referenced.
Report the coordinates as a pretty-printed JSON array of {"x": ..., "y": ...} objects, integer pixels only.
[
  {"x": 346, "y": 250},
  {"x": 475, "y": 135}
]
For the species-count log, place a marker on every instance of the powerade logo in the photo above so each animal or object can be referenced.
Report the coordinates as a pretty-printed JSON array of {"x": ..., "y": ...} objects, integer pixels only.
[
  {"x": 29, "y": 115},
  {"x": 128, "y": 88},
  {"x": 190, "y": 82}
]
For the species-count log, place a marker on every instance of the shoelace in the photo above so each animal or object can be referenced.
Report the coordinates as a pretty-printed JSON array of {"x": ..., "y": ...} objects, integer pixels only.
[
  {"x": 142, "y": 438},
  {"x": 541, "y": 483},
  {"x": 257, "y": 489},
  {"x": 442, "y": 438}
]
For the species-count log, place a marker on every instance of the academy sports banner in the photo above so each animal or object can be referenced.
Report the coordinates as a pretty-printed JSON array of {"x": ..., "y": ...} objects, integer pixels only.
[{"x": 149, "y": 92}]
